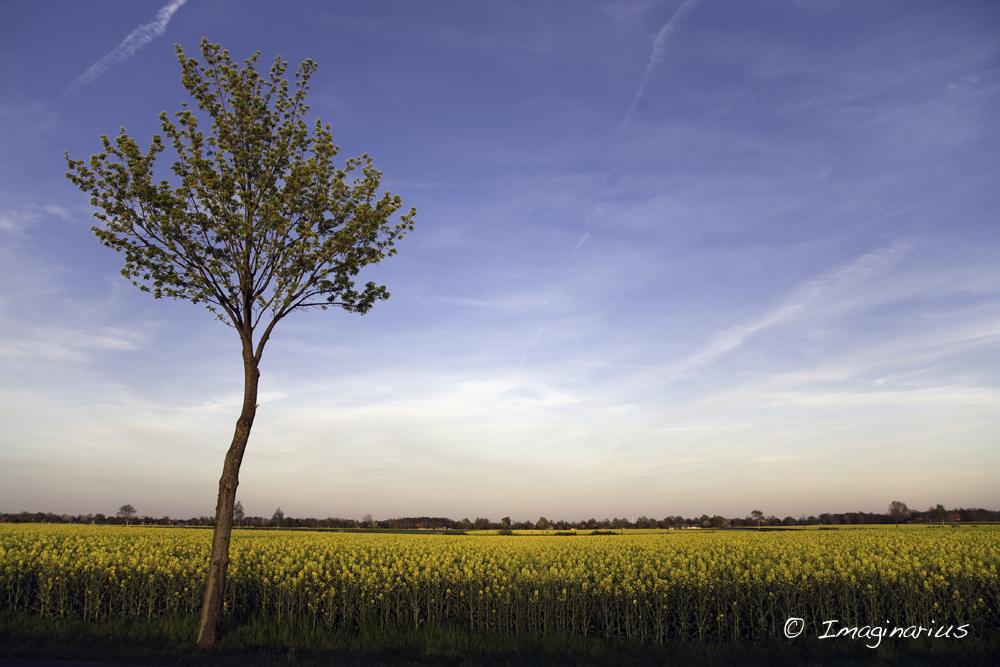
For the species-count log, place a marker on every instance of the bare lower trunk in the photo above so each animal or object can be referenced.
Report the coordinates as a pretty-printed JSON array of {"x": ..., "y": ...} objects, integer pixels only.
[{"x": 215, "y": 587}]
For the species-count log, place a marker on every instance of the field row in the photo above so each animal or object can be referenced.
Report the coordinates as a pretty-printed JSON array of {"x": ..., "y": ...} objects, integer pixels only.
[{"x": 647, "y": 588}]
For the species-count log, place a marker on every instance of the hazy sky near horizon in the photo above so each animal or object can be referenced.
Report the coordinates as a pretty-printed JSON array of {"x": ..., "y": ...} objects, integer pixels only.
[{"x": 670, "y": 258}]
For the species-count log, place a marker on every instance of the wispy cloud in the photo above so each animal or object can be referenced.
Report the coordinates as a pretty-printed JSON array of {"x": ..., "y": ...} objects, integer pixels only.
[
  {"x": 17, "y": 221},
  {"x": 800, "y": 298},
  {"x": 136, "y": 39},
  {"x": 598, "y": 209},
  {"x": 660, "y": 49},
  {"x": 583, "y": 239},
  {"x": 66, "y": 345},
  {"x": 524, "y": 356}
]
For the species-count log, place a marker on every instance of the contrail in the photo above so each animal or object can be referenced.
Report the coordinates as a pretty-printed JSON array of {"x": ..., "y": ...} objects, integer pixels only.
[
  {"x": 530, "y": 345},
  {"x": 801, "y": 297},
  {"x": 660, "y": 49},
  {"x": 583, "y": 240},
  {"x": 137, "y": 39}
]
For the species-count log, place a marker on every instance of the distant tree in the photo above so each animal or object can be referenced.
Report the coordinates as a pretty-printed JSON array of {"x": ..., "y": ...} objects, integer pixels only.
[
  {"x": 719, "y": 521},
  {"x": 367, "y": 521},
  {"x": 898, "y": 512},
  {"x": 277, "y": 517},
  {"x": 940, "y": 513},
  {"x": 481, "y": 523},
  {"x": 126, "y": 512},
  {"x": 543, "y": 523},
  {"x": 678, "y": 521},
  {"x": 464, "y": 524},
  {"x": 757, "y": 516},
  {"x": 505, "y": 526},
  {"x": 790, "y": 521},
  {"x": 238, "y": 513},
  {"x": 261, "y": 223}
]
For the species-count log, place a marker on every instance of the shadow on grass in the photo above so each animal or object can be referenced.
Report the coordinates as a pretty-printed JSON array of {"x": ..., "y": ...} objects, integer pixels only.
[{"x": 259, "y": 643}]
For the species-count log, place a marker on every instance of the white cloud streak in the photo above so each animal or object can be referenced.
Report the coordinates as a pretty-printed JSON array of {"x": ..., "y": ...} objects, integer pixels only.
[
  {"x": 806, "y": 294},
  {"x": 530, "y": 345},
  {"x": 18, "y": 221},
  {"x": 583, "y": 239},
  {"x": 660, "y": 49},
  {"x": 136, "y": 39},
  {"x": 65, "y": 345}
]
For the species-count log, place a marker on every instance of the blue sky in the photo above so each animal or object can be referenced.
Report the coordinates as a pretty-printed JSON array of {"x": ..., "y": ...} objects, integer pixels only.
[{"x": 670, "y": 258}]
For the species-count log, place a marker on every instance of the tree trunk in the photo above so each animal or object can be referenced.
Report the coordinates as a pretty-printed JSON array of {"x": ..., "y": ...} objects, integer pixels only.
[{"x": 215, "y": 587}]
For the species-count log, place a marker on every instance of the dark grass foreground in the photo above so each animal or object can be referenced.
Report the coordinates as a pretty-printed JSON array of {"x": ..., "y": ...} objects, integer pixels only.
[{"x": 169, "y": 641}]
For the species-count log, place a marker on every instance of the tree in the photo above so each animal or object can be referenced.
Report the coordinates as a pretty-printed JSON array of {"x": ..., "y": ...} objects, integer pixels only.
[
  {"x": 238, "y": 513},
  {"x": 260, "y": 224},
  {"x": 940, "y": 513},
  {"x": 898, "y": 512},
  {"x": 543, "y": 523},
  {"x": 757, "y": 516},
  {"x": 126, "y": 512},
  {"x": 277, "y": 518}
]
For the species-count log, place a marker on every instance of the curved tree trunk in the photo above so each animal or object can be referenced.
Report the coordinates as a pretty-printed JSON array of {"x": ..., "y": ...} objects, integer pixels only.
[{"x": 215, "y": 587}]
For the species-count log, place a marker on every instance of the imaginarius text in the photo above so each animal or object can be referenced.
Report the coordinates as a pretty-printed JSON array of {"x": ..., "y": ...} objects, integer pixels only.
[{"x": 877, "y": 632}]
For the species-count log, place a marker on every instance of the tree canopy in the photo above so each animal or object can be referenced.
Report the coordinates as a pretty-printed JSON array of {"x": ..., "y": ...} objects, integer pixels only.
[
  {"x": 898, "y": 511},
  {"x": 126, "y": 512},
  {"x": 259, "y": 222}
]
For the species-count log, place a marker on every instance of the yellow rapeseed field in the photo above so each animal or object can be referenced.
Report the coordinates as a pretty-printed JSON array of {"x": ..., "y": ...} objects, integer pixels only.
[{"x": 650, "y": 587}]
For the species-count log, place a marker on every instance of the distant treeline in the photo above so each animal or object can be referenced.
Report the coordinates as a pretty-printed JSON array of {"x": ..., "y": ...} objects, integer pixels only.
[{"x": 442, "y": 523}]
